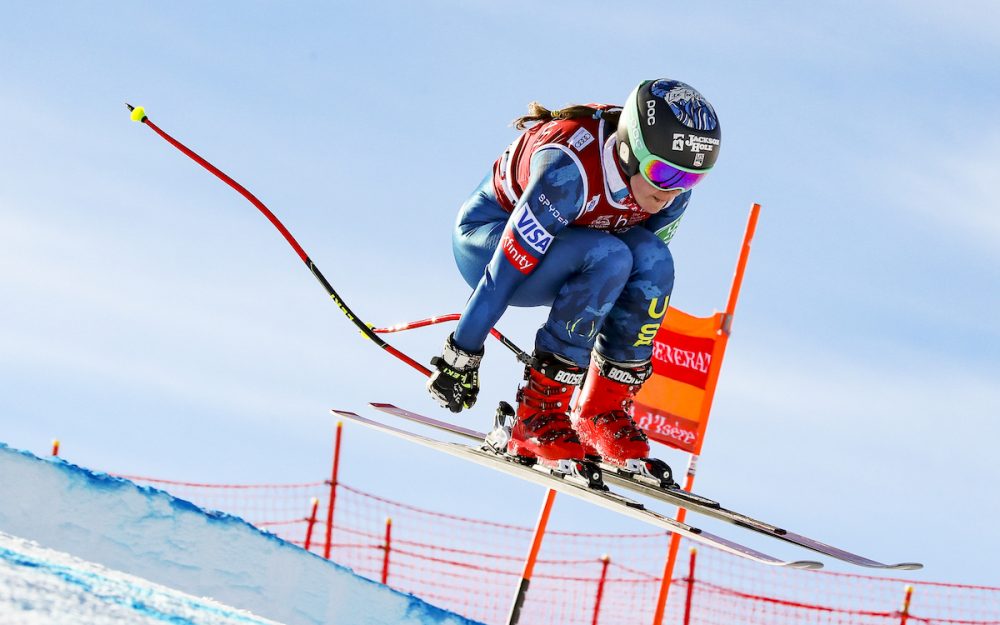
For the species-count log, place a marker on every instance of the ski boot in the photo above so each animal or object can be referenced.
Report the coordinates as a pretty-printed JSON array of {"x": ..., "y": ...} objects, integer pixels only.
[
  {"x": 603, "y": 421},
  {"x": 541, "y": 427}
]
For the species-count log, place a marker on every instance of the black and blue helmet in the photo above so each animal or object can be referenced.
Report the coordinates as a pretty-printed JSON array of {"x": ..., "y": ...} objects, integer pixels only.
[{"x": 668, "y": 122}]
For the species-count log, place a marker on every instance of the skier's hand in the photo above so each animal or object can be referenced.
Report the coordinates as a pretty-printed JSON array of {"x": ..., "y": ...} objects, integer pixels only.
[{"x": 455, "y": 384}]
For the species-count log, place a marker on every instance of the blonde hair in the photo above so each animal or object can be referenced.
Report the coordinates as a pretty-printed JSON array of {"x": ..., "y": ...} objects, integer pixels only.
[{"x": 540, "y": 114}]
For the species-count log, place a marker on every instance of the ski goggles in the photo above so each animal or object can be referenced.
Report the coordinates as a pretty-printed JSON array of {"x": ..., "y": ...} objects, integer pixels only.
[{"x": 667, "y": 176}]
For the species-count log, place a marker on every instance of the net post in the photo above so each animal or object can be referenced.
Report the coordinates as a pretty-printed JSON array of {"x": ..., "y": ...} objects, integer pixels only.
[
  {"x": 314, "y": 506},
  {"x": 387, "y": 547},
  {"x": 904, "y": 614},
  {"x": 690, "y": 586},
  {"x": 333, "y": 491},
  {"x": 605, "y": 560}
]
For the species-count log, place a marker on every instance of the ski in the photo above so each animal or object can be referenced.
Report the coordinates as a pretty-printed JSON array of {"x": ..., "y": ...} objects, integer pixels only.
[
  {"x": 647, "y": 485},
  {"x": 597, "y": 494}
]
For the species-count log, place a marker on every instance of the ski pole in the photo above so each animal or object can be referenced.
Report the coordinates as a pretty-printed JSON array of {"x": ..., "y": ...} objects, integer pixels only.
[
  {"x": 521, "y": 355},
  {"x": 139, "y": 115}
]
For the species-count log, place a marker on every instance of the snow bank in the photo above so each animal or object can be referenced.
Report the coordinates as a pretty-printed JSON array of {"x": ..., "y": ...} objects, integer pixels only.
[
  {"x": 40, "y": 586},
  {"x": 149, "y": 534}
]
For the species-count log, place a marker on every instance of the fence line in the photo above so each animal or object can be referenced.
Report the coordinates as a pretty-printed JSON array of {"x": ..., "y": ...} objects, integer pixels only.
[{"x": 473, "y": 567}]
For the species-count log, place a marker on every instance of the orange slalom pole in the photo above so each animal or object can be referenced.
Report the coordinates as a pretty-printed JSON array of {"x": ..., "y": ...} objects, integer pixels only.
[
  {"x": 55, "y": 447},
  {"x": 675, "y": 544},
  {"x": 529, "y": 564},
  {"x": 311, "y": 523},
  {"x": 333, "y": 491},
  {"x": 741, "y": 264},
  {"x": 727, "y": 323}
]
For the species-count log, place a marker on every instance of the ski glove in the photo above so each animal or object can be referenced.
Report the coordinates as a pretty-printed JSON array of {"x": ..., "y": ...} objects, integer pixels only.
[{"x": 455, "y": 384}]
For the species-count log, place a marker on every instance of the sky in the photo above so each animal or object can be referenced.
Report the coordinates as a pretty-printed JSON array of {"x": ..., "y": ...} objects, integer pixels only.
[{"x": 157, "y": 324}]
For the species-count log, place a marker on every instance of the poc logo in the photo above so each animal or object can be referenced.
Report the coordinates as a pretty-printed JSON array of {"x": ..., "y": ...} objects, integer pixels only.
[
  {"x": 678, "y": 141},
  {"x": 567, "y": 377},
  {"x": 650, "y": 112}
]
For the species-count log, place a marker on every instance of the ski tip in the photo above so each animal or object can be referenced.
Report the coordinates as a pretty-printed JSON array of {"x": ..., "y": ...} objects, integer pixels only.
[
  {"x": 807, "y": 565},
  {"x": 907, "y": 566},
  {"x": 138, "y": 113},
  {"x": 379, "y": 405},
  {"x": 343, "y": 413}
]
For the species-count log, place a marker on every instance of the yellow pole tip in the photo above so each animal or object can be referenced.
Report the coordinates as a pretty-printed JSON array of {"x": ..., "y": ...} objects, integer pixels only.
[
  {"x": 314, "y": 501},
  {"x": 138, "y": 114}
]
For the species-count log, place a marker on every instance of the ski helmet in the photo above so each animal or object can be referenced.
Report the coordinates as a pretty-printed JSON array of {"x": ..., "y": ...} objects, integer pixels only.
[{"x": 669, "y": 133}]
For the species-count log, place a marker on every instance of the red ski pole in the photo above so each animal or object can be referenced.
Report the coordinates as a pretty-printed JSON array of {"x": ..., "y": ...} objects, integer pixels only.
[
  {"x": 139, "y": 115},
  {"x": 521, "y": 355}
]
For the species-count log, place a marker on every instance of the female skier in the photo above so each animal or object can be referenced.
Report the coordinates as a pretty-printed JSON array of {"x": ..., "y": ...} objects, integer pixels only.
[{"x": 576, "y": 215}]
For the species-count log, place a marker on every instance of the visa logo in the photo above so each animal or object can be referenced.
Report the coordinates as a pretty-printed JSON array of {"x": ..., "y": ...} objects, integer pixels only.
[{"x": 532, "y": 231}]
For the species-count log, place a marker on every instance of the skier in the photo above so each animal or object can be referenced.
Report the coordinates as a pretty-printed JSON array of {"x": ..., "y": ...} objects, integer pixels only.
[{"x": 577, "y": 215}]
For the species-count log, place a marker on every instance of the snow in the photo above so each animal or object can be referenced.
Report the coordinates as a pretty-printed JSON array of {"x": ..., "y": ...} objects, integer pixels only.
[
  {"x": 121, "y": 534},
  {"x": 43, "y": 586}
]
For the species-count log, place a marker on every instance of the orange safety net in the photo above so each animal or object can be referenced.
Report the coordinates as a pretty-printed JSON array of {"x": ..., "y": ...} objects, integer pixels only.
[
  {"x": 472, "y": 567},
  {"x": 673, "y": 405}
]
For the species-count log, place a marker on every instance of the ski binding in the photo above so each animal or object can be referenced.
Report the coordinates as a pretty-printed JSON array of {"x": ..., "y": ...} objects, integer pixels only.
[{"x": 583, "y": 472}]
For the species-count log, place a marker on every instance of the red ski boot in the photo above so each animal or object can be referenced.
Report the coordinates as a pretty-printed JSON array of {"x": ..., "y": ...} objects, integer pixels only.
[
  {"x": 601, "y": 416},
  {"x": 542, "y": 428}
]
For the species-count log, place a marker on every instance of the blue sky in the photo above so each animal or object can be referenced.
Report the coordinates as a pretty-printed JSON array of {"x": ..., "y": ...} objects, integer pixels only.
[{"x": 157, "y": 324}]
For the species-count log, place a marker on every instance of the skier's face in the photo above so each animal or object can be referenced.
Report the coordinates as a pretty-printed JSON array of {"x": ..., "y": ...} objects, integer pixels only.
[{"x": 649, "y": 198}]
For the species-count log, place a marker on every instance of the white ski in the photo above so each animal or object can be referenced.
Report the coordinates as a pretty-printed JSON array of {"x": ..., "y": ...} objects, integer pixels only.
[
  {"x": 598, "y": 496},
  {"x": 676, "y": 496}
]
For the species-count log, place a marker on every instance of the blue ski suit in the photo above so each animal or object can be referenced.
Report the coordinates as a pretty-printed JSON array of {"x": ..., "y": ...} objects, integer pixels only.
[{"x": 607, "y": 286}]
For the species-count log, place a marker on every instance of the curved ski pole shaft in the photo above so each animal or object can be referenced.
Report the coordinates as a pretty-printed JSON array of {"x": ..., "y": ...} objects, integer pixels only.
[
  {"x": 139, "y": 115},
  {"x": 520, "y": 354},
  {"x": 421, "y": 323}
]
